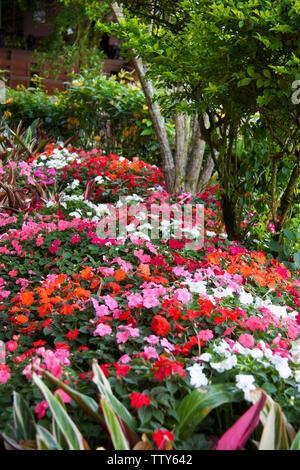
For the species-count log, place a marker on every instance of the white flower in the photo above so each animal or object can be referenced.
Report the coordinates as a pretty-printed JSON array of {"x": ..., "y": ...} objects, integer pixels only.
[
  {"x": 256, "y": 353},
  {"x": 198, "y": 287},
  {"x": 278, "y": 310},
  {"x": 297, "y": 375},
  {"x": 205, "y": 357},
  {"x": 198, "y": 378},
  {"x": 245, "y": 298},
  {"x": 246, "y": 383},
  {"x": 227, "y": 364}
]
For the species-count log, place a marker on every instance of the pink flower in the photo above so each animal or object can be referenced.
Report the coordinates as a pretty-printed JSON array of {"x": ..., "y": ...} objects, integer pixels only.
[
  {"x": 135, "y": 300},
  {"x": 4, "y": 373},
  {"x": 246, "y": 340},
  {"x": 75, "y": 239},
  {"x": 167, "y": 345},
  {"x": 101, "y": 310},
  {"x": 13, "y": 273},
  {"x": 150, "y": 353},
  {"x": 102, "y": 330},
  {"x": 11, "y": 346},
  {"x": 152, "y": 339},
  {"x": 150, "y": 302},
  {"x": 183, "y": 295},
  {"x": 40, "y": 409},
  {"x": 110, "y": 302},
  {"x": 64, "y": 396},
  {"x": 205, "y": 335},
  {"x": 124, "y": 359},
  {"x": 122, "y": 336},
  {"x": 54, "y": 246}
]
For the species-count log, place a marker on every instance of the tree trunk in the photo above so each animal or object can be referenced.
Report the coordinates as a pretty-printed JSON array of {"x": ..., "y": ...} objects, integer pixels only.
[
  {"x": 195, "y": 160},
  {"x": 206, "y": 173},
  {"x": 231, "y": 218},
  {"x": 154, "y": 111},
  {"x": 182, "y": 125}
]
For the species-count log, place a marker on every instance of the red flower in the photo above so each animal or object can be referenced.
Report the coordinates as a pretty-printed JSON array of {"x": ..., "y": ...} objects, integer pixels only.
[
  {"x": 164, "y": 367},
  {"x": 121, "y": 369},
  {"x": 72, "y": 334},
  {"x": 160, "y": 325},
  {"x": 138, "y": 400},
  {"x": 62, "y": 346},
  {"x": 160, "y": 436}
]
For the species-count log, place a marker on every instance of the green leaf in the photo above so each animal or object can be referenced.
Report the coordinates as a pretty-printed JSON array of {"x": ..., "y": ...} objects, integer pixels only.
[
  {"x": 45, "y": 440},
  {"x": 64, "y": 422},
  {"x": 114, "y": 427},
  {"x": 86, "y": 403},
  {"x": 104, "y": 388},
  {"x": 196, "y": 406},
  {"x": 144, "y": 414},
  {"x": 296, "y": 442},
  {"x": 244, "y": 81},
  {"x": 24, "y": 422}
]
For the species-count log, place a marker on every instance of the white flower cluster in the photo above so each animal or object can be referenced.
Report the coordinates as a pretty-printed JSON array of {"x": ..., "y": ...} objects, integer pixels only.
[
  {"x": 198, "y": 378},
  {"x": 60, "y": 158}
]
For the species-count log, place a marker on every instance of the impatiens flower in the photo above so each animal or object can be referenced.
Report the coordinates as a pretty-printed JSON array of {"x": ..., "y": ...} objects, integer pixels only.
[
  {"x": 122, "y": 336},
  {"x": 121, "y": 369},
  {"x": 183, "y": 295},
  {"x": 138, "y": 400},
  {"x": 72, "y": 334},
  {"x": 198, "y": 378},
  {"x": 39, "y": 240},
  {"x": 167, "y": 345},
  {"x": 246, "y": 340},
  {"x": 54, "y": 246},
  {"x": 11, "y": 346},
  {"x": 152, "y": 339},
  {"x": 4, "y": 373},
  {"x": 64, "y": 396},
  {"x": 40, "y": 409},
  {"x": 160, "y": 436},
  {"x": 246, "y": 383},
  {"x": 150, "y": 302},
  {"x": 205, "y": 335},
  {"x": 13, "y": 273},
  {"x": 160, "y": 325},
  {"x": 135, "y": 300},
  {"x": 102, "y": 330},
  {"x": 150, "y": 353},
  {"x": 76, "y": 238}
]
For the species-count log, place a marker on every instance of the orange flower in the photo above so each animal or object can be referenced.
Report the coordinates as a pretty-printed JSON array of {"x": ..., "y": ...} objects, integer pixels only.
[
  {"x": 144, "y": 269},
  {"x": 21, "y": 319},
  {"x": 67, "y": 309},
  {"x": 27, "y": 297},
  {"x": 87, "y": 273},
  {"x": 81, "y": 292},
  {"x": 45, "y": 309},
  {"x": 120, "y": 275}
]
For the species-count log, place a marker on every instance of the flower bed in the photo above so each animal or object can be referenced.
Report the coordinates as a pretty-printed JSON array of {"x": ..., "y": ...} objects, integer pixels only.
[{"x": 160, "y": 319}]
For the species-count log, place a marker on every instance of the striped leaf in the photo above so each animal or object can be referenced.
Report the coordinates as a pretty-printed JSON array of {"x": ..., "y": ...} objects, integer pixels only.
[
  {"x": 24, "y": 423},
  {"x": 113, "y": 425},
  {"x": 104, "y": 388},
  {"x": 45, "y": 440},
  {"x": 66, "y": 425},
  {"x": 296, "y": 442},
  {"x": 86, "y": 403}
]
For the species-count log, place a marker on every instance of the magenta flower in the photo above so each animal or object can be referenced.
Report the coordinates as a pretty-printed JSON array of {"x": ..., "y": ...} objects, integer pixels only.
[{"x": 40, "y": 409}]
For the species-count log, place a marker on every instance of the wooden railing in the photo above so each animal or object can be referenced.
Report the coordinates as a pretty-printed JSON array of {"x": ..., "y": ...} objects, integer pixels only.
[{"x": 19, "y": 65}]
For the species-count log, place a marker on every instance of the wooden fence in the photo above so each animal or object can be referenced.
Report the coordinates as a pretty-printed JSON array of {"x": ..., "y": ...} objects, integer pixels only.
[{"x": 18, "y": 64}]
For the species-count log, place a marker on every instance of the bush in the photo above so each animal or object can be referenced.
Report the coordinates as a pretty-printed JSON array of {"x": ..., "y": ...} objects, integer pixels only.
[{"x": 93, "y": 108}]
